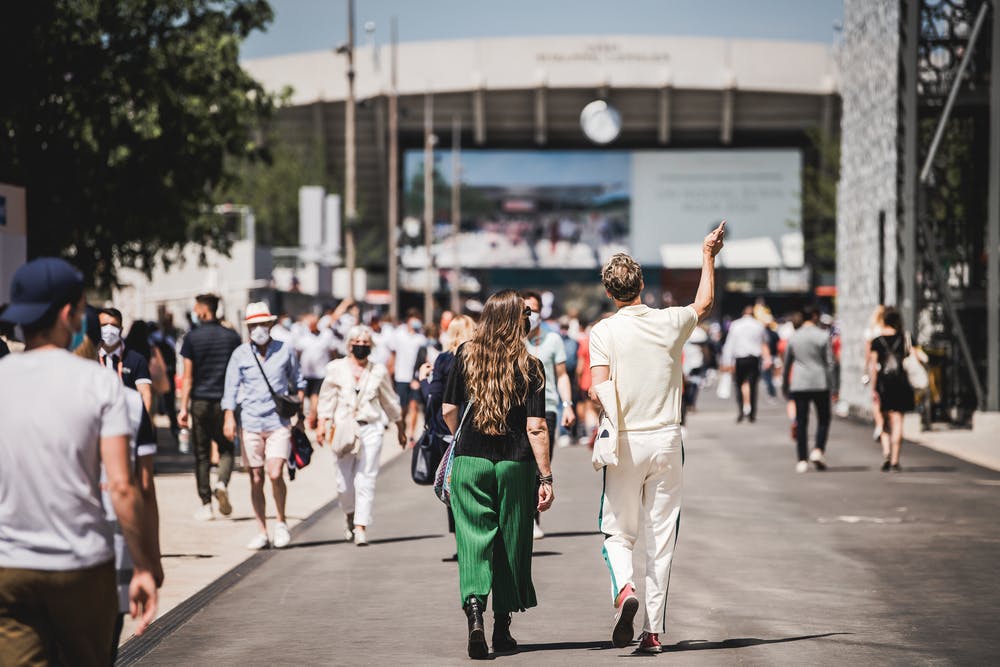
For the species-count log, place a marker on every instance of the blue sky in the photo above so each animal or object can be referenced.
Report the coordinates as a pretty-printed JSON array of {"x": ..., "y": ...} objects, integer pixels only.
[{"x": 307, "y": 25}]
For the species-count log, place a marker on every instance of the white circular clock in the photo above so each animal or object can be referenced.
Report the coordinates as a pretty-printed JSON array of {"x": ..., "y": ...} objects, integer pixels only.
[{"x": 601, "y": 122}]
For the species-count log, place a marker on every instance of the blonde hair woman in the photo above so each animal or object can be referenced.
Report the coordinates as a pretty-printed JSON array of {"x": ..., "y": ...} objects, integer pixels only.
[
  {"x": 360, "y": 390},
  {"x": 433, "y": 380},
  {"x": 501, "y": 473}
]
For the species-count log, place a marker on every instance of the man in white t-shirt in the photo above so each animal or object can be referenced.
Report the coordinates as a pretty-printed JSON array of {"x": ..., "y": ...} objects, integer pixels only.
[
  {"x": 406, "y": 342},
  {"x": 57, "y": 573},
  {"x": 639, "y": 350}
]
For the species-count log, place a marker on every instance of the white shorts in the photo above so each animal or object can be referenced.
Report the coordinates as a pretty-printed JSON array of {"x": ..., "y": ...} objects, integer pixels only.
[{"x": 259, "y": 446}]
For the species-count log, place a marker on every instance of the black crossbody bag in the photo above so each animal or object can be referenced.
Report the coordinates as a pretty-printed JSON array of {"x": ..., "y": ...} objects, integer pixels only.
[{"x": 288, "y": 405}]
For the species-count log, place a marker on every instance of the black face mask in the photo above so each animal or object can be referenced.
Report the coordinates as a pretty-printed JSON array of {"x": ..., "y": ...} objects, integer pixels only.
[
  {"x": 361, "y": 352},
  {"x": 527, "y": 326}
]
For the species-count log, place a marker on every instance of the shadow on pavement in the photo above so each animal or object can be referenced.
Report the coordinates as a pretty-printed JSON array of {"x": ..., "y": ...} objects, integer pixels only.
[
  {"x": 576, "y": 533},
  {"x": 929, "y": 469},
  {"x": 848, "y": 468},
  {"x": 537, "y": 554},
  {"x": 565, "y": 646},
  {"x": 742, "y": 642},
  {"x": 386, "y": 540},
  {"x": 187, "y": 555}
]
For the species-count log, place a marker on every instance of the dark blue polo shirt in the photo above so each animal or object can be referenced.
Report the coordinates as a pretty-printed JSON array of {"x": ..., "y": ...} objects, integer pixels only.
[
  {"x": 134, "y": 367},
  {"x": 209, "y": 347}
]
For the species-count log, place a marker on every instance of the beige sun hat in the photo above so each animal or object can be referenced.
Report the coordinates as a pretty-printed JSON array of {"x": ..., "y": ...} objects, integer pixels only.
[{"x": 259, "y": 313}]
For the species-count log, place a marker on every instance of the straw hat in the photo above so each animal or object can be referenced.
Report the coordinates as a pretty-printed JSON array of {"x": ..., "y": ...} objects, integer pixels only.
[{"x": 259, "y": 313}]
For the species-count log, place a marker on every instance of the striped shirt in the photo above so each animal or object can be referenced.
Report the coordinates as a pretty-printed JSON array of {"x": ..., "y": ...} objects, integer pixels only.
[{"x": 209, "y": 347}]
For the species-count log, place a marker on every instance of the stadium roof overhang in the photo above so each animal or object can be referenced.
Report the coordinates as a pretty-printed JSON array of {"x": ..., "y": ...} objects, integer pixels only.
[{"x": 530, "y": 90}]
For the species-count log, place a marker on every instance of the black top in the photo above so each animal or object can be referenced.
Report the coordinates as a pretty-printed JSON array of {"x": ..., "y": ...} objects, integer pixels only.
[
  {"x": 512, "y": 445},
  {"x": 135, "y": 368},
  {"x": 891, "y": 384},
  {"x": 209, "y": 347},
  {"x": 432, "y": 390}
]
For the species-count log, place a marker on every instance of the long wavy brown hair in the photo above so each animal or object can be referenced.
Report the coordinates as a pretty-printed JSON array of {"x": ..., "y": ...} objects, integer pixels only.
[{"x": 498, "y": 368}]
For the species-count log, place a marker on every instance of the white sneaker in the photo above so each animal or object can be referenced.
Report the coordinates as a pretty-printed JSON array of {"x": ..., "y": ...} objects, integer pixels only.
[
  {"x": 348, "y": 529},
  {"x": 877, "y": 434},
  {"x": 537, "y": 533},
  {"x": 563, "y": 441},
  {"x": 204, "y": 513},
  {"x": 281, "y": 536},
  {"x": 818, "y": 460},
  {"x": 258, "y": 542},
  {"x": 802, "y": 466},
  {"x": 360, "y": 537}
]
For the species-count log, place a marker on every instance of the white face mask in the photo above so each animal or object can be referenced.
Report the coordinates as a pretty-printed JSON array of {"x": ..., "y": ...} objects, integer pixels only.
[
  {"x": 260, "y": 335},
  {"x": 533, "y": 320},
  {"x": 111, "y": 335}
]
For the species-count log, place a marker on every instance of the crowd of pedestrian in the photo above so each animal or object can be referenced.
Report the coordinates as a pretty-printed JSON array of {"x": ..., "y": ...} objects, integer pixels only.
[{"x": 492, "y": 393}]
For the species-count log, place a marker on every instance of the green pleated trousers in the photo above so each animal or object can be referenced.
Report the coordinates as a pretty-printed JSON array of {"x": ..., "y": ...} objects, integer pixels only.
[{"x": 494, "y": 506}]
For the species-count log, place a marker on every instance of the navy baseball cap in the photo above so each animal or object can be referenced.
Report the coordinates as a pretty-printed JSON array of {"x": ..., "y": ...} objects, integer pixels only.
[{"x": 39, "y": 285}]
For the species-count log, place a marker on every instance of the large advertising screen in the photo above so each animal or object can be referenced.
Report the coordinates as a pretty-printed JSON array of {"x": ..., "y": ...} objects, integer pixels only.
[{"x": 574, "y": 209}]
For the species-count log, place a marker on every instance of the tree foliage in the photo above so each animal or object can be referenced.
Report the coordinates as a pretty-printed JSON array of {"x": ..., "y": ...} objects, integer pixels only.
[{"x": 118, "y": 117}]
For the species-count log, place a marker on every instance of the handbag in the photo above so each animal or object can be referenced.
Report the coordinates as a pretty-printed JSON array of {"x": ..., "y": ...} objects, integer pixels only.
[
  {"x": 914, "y": 369},
  {"x": 302, "y": 451},
  {"x": 442, "y": 478},
  {"x": 347, "y": 436},
  {"x": 724, "y": 389},
  {"x": 427, "y": 455},
  {"x": 287, "y": 405}
]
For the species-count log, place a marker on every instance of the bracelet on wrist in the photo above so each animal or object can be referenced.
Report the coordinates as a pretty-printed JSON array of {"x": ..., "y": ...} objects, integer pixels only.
[{"x": 545, "y": 479}]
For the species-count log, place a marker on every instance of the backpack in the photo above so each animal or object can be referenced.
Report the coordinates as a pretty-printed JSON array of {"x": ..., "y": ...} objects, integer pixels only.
[{"x": 891, "y": 368}]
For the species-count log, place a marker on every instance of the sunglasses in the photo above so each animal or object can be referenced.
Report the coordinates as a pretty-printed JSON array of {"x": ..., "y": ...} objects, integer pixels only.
[{"x": 527, "y": 312}]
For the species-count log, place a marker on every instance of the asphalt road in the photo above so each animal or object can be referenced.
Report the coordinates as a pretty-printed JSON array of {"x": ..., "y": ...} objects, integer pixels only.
[{"x": 848, "y": 566}]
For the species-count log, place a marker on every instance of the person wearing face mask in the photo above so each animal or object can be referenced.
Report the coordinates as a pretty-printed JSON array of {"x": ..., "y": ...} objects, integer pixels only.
[
  {"x": 206, "y": 351},
  {"x": 58, "y": 602},
  {"x": 548, "y": 347},
  {"x": 128, "y": 364},
  {"x": 254, "y": 371},
  {"x": 406, "y": 343},
  {"x": 356, "y": 388}
]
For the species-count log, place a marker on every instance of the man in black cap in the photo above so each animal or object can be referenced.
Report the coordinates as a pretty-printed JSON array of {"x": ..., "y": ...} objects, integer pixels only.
[{"x": 57, "y": 576}]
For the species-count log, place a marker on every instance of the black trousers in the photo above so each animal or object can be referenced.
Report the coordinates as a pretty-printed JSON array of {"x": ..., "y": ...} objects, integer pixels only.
[
  {"x": 206, "y": 426},
  {"x": 821, "y": 399},
  {"x": 747, "y": 370}
]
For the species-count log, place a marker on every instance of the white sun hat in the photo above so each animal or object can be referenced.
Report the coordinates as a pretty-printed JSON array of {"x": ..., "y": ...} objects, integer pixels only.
[{"x": 259, "y": 313}]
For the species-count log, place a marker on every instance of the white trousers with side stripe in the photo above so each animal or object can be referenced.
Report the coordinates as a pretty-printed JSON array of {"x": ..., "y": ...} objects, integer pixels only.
[{"x": 644, "y": 492}]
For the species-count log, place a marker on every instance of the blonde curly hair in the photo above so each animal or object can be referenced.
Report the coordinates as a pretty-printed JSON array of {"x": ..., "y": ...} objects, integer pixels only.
[{"x": 622, "y": 277}]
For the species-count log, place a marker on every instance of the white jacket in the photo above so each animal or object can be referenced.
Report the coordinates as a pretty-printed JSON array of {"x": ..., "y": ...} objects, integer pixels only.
[{"x": 337, "y": 396}]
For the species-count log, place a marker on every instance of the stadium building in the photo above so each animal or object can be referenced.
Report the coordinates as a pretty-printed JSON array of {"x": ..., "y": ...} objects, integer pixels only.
[{"x": 684, "y": 131}]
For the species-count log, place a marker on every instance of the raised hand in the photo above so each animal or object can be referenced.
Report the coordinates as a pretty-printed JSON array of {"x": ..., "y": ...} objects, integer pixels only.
[{"x": 714, "y": 240}]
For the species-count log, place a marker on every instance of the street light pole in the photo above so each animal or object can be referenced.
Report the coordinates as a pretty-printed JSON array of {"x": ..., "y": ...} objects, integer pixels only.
[
  {"x": 350, "y": 156},
  {"x": 393, "y": 217},
  {"x": 456, "y": 211},
  {"x": 428, "y": 205}
]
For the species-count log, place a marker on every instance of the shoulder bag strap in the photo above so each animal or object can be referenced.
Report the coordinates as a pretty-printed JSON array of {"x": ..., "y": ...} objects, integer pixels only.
[{"x": 253, "y": 353}]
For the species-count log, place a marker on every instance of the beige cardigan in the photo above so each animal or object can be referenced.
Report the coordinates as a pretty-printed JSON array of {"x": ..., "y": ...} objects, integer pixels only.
[{"x": 337, "y": 395}]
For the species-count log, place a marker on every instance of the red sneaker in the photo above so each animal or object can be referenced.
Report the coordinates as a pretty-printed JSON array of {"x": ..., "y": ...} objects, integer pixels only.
[
  {"x": 649, "y": 642},
  {"x": 627, "y": 604}
]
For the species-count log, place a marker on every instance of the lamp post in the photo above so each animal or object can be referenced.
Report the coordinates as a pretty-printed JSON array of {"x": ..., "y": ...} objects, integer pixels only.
[
  {"x": 393, "y": 212},
  {"x": 456, "y": 211},
  {"x": 350, "y": 155},
  {"x": 428, "y": 205}
]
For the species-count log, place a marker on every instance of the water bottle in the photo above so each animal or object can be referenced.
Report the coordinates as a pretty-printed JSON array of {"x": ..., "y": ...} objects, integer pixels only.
[{"x": 184, "y": 441}]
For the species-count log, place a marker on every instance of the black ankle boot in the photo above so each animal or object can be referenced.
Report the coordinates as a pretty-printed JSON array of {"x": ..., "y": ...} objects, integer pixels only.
[
  {"x": 502, "y": 641},
  {"x": 478, "y": 648}
]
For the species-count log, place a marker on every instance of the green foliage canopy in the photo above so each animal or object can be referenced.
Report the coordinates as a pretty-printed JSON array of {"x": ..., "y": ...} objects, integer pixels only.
[{"x": 118, "y": 116}]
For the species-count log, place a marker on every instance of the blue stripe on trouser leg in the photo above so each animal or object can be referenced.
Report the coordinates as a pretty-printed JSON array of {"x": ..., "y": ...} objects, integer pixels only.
[{"x": 604, "y": 551}]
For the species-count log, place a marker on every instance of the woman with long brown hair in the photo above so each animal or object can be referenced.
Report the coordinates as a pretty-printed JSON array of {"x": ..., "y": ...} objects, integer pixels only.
[{"x": 501, "y": 474}]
